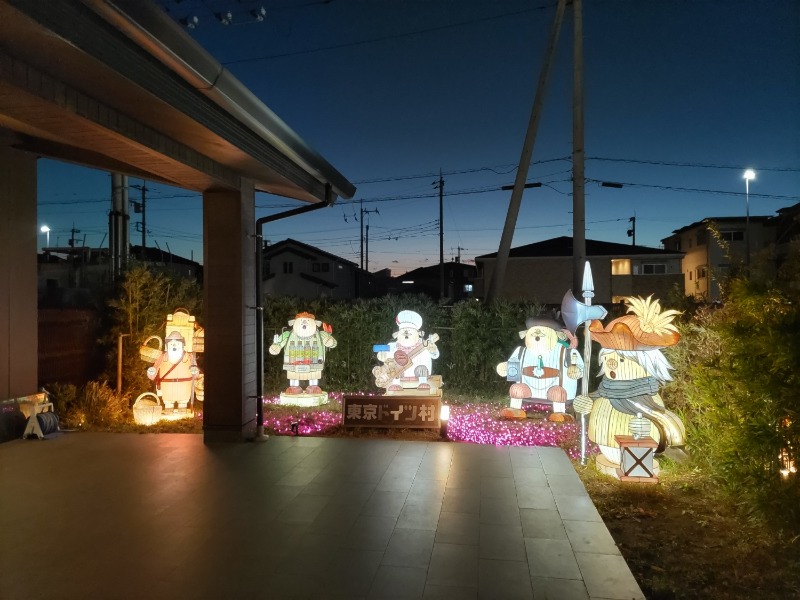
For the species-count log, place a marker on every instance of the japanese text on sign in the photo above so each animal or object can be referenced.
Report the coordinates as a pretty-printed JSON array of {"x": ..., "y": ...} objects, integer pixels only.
[{"x": 396, "y": 411}]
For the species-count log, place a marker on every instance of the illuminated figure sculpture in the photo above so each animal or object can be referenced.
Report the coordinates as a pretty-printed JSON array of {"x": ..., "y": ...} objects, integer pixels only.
[
  {"x": 178, "y": 380},
  {"x": 304, "y": 347},
  {"x": 408, "y": 361},
  {"x": 633, "y": 368},
  {"x": 175, "y": 373},
  {"x": 546, "y": 369}
]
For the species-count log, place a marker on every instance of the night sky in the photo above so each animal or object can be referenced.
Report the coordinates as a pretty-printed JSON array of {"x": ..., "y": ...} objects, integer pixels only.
[{"x": 681, "y": 96}]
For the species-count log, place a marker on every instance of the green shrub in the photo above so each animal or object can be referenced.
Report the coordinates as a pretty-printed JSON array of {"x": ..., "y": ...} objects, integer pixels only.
[
  {"x": 144, "y": 299},
  {"x": 736, "y": 383},
  {"x": 93, "y": 405}
]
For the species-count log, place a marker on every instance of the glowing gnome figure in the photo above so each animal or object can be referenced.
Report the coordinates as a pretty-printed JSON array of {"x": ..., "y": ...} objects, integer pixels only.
[
  {"x": 546, "y": 369},
  {"x": 633, "y": 368},
  {"x": 407, "y": 361},
  {"x": 175, "y": 373},
  {"x": 304, "y": 347}
]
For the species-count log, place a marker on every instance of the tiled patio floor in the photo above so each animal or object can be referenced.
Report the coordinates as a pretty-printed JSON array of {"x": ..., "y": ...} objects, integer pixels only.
[{"x": 94, "y": 515}]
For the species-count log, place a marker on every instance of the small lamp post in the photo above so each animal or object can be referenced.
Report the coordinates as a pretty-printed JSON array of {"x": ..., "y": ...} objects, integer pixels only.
[
  {"x": 749, "y": 175},
  {"x": 46, "y": 230}
]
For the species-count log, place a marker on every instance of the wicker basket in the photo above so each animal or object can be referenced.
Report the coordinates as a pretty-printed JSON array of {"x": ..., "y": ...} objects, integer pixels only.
[
  {"x": 148, "y": 353},
  {"x": 147, "y": 409}
]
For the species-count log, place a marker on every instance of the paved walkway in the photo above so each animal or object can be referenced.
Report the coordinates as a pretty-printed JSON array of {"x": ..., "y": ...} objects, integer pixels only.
[{"x": 128, "y": 516}]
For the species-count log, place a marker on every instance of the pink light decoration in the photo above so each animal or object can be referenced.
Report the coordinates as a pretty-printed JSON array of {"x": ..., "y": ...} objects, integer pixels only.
[
  {"x": 473, "y": 423},
  {"x": 480, "y": 424}
]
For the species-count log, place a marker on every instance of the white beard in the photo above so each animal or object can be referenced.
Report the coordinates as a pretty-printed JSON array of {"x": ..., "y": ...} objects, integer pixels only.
[{"x": 174, "y": 355}]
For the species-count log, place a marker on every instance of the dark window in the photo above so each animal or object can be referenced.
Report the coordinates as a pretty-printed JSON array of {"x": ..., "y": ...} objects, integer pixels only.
[
  {"x": 288, "y": 267},
  {"x": 315, "y": 267},
  {"x": 732, "y": 236},
  {"x": 702, "y": 272},
  {"x": 654, "y": 269},
  {"x": 326, "y": 267}
]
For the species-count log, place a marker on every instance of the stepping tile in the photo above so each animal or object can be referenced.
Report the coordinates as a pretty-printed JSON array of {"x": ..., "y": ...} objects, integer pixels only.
[
  {"x": 461, "y": 501},
  {"x": 555, "y": 461},
  {"x": 501, "y": 542},
  {"x": 551, "y": 558},
  {"x": 542, "y": 524},
  {"x": 385, "y": 504},
  {"x": 545, "y": 588},
  {"x": 535, "y": 496},
  {"x": 369, "y": 533},
  {"x": 409, "y": 548},
  {"x": 576, "y": 508},
  {"x": 398, "y": 582},
  {"x": 458, "y": 528},
  {"x": 499, "y": 512},
  {"x": 590, "y": 536},
  {"x": 419, "y": 516},
  {"x": 504, "y": 580},
  {"x": 454, "y": 565},
  {"x": 449, "y": 592},
  {"x": 608, "y": 576}
]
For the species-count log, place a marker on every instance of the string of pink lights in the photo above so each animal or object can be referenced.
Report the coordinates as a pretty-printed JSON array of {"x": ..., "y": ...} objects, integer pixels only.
[{"x": 477, "y": 424}]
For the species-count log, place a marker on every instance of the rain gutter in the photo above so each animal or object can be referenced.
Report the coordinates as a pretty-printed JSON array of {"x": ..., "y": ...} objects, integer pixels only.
[
  {"x": 164, "y": 39},
  {"x": 330, "y": 198}
]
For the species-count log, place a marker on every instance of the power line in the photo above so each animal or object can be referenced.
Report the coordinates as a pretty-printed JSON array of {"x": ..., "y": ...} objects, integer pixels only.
[
  {"x": 662, "y": 163},
  {"x": 698, "y": 190},
  {"x": 504, "y": 169},
  {"x": 385, "y": 37}
]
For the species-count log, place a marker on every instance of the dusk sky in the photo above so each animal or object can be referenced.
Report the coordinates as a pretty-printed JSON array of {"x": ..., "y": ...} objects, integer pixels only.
[{"x": 681, "y": 96}]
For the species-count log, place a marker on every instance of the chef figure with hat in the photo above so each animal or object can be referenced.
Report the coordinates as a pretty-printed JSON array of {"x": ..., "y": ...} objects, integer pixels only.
[
  {"x": 408, "y": 361},
  {"x": 174, "y": 373}
]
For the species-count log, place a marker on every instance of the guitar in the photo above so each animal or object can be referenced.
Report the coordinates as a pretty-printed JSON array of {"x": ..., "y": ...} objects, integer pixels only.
[{"x": 393, "y": 368}]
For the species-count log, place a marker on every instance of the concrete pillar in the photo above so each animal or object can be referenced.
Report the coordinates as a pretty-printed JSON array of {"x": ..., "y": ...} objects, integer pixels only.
[
  {"x": 229, "y": 409},
  {"x": 18, "y": 295}
]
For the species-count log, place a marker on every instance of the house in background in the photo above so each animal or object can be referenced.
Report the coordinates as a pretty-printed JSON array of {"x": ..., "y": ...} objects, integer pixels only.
[
  {"x": 542, "y": 271},
  {"x": 715, "y": 245},
  {"x": 459, "y": 279},
  {"x": 786, "y": 229},
  {"x": 292, "y": 268}
]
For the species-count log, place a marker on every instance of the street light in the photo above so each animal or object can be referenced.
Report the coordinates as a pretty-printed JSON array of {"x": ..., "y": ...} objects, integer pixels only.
[
  {"x": 46, "y": 230},
  {"x": 749, "y": 174}
]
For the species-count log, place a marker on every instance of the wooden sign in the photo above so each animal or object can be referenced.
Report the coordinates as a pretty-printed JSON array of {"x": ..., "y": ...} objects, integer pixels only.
[{"x": 412, "y": 412}]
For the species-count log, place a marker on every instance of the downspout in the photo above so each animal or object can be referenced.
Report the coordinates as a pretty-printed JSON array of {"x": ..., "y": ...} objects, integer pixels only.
[{"x": 330, "y": 198}]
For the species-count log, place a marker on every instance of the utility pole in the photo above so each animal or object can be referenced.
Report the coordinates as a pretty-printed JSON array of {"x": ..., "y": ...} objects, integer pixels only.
[
  {"x": 365, "y": 211},
  {"x": 440, "y": 185},
  {"x": 144, "y": 221},
  {"x": 362, "y": 235},
  {"x": 73, "y": 231},
  {"x": 496, "y": 281},
  {"x": 578, "y": 199},
  {"x": 632, "y": 230},
  {"x": 141, "y": 207}
]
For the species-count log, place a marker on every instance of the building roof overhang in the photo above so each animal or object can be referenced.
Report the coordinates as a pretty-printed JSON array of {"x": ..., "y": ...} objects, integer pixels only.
[{"x": 118, "y": 85}]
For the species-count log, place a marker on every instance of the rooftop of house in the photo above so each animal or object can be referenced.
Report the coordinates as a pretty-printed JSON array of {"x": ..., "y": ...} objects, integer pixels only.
[
  {"x": 306, "y": 251},
  {"x": 720, "y": 221},
  {"x": 433, "y": 270},
  {"x": 562, "y": 246}
]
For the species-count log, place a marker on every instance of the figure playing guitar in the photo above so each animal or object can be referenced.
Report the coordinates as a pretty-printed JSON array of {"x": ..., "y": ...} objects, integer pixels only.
[{"x": 407, "y": 361}]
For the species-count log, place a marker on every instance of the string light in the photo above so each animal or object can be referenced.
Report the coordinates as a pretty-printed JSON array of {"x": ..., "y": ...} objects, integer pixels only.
[{"x": 474, "y": 423}]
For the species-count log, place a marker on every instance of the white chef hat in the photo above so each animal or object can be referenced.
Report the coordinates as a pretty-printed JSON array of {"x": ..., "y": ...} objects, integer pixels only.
[{"x": 408, "y": 318}]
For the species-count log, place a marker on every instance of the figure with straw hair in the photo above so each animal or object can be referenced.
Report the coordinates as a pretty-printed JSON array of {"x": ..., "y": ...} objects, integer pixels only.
[{"x": 633, "y": 369}]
